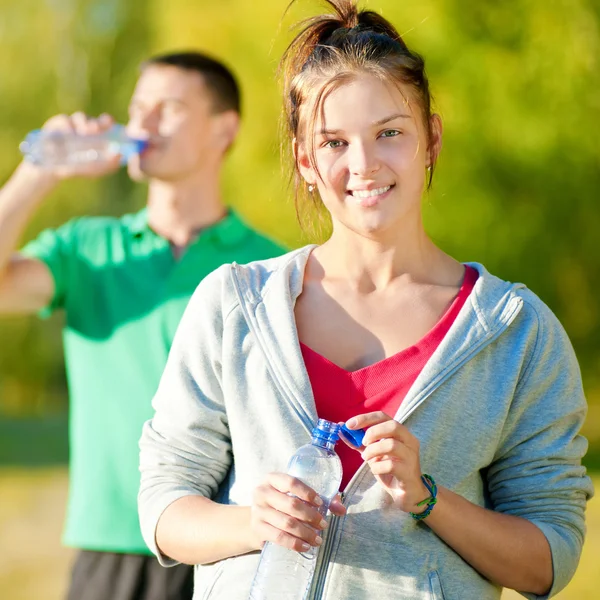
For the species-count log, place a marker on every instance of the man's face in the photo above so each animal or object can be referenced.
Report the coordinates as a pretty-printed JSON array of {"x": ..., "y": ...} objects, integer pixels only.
[{"x": 172, "y": 109}]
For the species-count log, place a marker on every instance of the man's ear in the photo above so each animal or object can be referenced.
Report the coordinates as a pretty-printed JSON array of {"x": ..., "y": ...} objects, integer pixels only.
[{"x": 229, "y": 125}]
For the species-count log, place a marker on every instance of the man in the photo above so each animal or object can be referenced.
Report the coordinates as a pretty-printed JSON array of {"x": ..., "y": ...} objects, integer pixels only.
[{"x": 124, "y": 284}]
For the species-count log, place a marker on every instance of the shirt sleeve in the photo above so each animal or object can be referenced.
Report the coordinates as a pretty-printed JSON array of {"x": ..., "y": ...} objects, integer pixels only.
[
  {"x": 54, "y": 247},
  {"x": 185, "y": 449},
  {"x": 537, "y": 473}
]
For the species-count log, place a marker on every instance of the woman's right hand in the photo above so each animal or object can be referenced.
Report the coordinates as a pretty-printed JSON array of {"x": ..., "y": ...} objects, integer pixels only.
[{"x": 285, "y": 511}]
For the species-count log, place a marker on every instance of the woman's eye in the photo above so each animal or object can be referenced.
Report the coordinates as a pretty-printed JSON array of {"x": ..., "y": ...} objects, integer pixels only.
[
  {"x": 390, "y": 133},
  {"x": 333, "y": 144}
]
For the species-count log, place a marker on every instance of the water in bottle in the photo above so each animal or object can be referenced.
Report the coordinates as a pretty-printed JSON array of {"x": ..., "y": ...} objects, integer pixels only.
[
  {"x": 284, "y": 574},
  {"x": 60, "y": 148}
]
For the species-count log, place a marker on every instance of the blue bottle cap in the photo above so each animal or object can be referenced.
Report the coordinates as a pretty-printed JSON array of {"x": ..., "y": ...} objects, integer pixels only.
[
  {"x": 132, "y": 147},
  {"x": 327, "y": 430},
  {"x": 355, "y": 436},
  {"x": 140, "y": 145}
]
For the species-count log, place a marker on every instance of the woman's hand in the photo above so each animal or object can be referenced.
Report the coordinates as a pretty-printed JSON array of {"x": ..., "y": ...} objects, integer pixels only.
[
  {"x": 285, "y": 511},
  {"x": 392, "y": 453}
]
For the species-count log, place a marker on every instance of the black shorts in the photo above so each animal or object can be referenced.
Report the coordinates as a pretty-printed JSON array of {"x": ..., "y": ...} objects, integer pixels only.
[{"x": 110, "y": 576}]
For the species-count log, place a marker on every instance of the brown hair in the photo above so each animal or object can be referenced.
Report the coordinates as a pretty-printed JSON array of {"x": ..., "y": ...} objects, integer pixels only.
[
  {"x": 328, "y": 51},
  {"x": 219, "y": 80}
]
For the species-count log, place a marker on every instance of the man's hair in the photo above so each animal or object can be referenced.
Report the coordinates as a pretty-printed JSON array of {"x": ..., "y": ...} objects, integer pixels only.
[{"x": 219, "y": 80}]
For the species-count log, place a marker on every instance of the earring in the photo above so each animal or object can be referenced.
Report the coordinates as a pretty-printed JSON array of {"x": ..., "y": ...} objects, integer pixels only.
[
  {"x": 429, "y": 169},
  {"x": 311, "y": 188}
]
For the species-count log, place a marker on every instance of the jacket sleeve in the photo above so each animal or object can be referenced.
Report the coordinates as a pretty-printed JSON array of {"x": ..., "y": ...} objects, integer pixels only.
[
  {"x": 185, "y": 448},
  {"x": 537, "y": 472}
]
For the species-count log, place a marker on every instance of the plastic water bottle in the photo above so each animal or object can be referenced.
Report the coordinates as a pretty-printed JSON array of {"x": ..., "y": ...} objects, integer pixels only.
[
  {"x": 284, "y": 574},
  {"x": 60, "y": 148}
]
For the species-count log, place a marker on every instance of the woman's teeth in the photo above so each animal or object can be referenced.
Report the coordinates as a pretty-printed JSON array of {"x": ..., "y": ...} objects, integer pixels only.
[{"x": 370, "y": 193}]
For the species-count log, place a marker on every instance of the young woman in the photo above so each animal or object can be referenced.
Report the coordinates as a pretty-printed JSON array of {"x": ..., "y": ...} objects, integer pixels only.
[{"x": 451, "y": 371}]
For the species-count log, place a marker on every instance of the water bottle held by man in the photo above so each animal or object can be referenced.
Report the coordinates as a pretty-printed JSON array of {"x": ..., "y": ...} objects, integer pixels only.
[
  {"x": 61, "y": 148},
  {"x": 285, "y": 574}
]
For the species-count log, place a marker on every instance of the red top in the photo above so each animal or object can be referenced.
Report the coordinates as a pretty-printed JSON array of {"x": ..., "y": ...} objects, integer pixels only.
[{"x": 340, "y": 394}]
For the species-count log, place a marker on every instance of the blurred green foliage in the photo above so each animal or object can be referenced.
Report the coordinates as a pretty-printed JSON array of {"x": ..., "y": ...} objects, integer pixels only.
[{"x": 517, "y": 84}]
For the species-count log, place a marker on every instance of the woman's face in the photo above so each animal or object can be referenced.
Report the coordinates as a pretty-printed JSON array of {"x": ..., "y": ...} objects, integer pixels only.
[{"x": 372, "y": 154}]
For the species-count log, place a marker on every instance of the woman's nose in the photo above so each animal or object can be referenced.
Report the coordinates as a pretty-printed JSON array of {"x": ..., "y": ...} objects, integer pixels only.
[{"x": 362, "y": 159}]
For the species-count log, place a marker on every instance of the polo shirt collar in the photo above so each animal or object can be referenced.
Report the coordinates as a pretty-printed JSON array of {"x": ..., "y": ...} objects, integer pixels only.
[
  {"x": 229, "y": 231},
  {"x": 139, "y": 223}
]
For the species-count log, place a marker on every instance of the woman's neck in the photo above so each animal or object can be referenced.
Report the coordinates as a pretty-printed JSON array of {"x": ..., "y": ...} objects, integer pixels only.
[{"x": 369, "y": 263}]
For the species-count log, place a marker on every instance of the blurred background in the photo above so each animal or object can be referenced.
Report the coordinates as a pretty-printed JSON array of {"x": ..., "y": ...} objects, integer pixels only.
[{"x": 517, "y": 84}]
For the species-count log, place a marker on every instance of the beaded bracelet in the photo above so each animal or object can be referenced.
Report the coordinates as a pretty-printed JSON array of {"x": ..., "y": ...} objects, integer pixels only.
[{"x": 429, "y": 483}]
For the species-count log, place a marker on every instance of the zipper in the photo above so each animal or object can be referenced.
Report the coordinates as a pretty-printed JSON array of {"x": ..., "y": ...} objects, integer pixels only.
[
  {"x": 305, "y": 418},
  {"x": 325, "y": 555}
]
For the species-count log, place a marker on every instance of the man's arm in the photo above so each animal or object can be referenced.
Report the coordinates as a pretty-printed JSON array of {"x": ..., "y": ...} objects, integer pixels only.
[{"x": 26, "y": 283}]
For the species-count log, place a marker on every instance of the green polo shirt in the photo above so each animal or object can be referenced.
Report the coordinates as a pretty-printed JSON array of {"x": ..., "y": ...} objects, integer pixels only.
[{"x": 123, "y": 293}]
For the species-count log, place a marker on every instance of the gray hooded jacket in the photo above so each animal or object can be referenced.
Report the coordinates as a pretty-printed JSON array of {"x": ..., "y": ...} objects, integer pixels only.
[{"x": 497, "y": 410}]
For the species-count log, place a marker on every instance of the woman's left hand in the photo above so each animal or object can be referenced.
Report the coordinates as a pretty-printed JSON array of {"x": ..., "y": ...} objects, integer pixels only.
[{"x": 392, "y": 453}]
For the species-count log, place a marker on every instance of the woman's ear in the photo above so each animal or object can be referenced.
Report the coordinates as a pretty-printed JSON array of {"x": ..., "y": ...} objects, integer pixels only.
[
  {"x": 303, "y": 164},
  {"x": 435, "y": 143}
]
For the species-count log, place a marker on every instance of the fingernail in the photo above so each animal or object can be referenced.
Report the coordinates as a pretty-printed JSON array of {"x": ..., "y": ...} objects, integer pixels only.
[
  {"x": 319, "y": 501},
  {"x": 352, "y": 422},
  {"x": 322, "y": 524},
  {"x": 304, "y": 547},
  {"x": 318, "y": 540}
]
